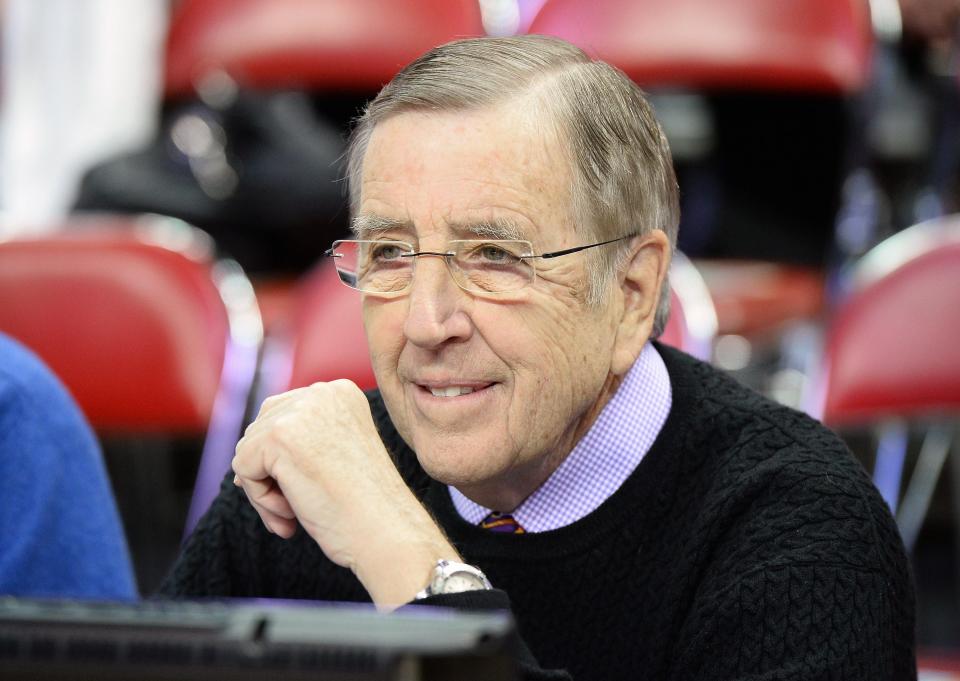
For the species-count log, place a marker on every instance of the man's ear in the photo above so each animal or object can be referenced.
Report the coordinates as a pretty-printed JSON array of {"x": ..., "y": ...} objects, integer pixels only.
[{"x": 641, "y": 280}]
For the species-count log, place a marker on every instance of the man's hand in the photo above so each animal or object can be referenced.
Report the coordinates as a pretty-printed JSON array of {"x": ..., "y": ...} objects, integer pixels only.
[{"x": 313, "y": 455}]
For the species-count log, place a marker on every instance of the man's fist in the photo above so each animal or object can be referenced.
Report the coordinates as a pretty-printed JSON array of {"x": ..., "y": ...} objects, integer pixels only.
[{"x": 313, "y": 456}]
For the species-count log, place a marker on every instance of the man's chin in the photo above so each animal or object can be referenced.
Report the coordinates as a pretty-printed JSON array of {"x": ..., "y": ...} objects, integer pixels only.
[{"x": 453, "y": 467}]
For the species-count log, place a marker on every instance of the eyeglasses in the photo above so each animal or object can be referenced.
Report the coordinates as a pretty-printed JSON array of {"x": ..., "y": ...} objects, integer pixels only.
[{"x": 476, "y": 265}]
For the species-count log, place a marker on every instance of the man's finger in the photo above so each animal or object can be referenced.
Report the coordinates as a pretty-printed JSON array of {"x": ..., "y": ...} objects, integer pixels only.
[
  {"x": 281, "y": 527},
  {"x": 256, "y": 488},
  {"x": 272, "y": 507},
  {"x": 275, "y": 502}
]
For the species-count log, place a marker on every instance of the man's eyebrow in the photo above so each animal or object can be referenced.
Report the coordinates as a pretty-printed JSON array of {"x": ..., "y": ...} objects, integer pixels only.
[
  {"x": 497, "y": 228},
  {"x": 366, "y": 226}
]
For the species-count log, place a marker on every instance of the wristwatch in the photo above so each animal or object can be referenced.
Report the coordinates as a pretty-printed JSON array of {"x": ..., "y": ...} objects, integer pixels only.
[{"x": 449, "y": 577}]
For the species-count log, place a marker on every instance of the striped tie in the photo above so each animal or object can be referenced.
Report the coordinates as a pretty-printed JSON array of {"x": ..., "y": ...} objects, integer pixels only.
[{"x": 501, "y": 522}]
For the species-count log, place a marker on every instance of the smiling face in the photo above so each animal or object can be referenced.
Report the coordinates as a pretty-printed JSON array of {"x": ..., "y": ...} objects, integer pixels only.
[{"x": 490, "y": 392}]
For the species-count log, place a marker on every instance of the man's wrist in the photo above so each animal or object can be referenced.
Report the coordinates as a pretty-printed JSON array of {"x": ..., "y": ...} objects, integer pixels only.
[{"x": 396, "y": 569}]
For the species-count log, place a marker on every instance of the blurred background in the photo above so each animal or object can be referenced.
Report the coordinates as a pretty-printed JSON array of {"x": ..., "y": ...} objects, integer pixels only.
[{"x": 170, "y": 177}]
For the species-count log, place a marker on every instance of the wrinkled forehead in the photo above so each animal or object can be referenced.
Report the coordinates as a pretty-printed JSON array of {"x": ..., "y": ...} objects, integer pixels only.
[{"x": 477, "y": 173}]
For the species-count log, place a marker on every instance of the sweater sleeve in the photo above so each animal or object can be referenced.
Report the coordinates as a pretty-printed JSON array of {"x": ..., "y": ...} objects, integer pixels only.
[
  {"x": 207, "y": 565},
  {"x": 497, "y": 600},
  {"x": 229, "y": 554},
  {"x": 221, "y": 556}
]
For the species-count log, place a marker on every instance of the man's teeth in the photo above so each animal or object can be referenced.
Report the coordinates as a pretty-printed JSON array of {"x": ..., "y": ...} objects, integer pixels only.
[{"x": 452, "y": 391}]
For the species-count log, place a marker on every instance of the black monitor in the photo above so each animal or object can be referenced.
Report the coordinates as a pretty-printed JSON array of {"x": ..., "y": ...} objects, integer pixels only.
[{"x": 247, "y": 640}]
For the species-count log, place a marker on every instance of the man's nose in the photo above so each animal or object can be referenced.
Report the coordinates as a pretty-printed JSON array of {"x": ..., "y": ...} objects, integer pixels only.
[{"x": 435, "y": 315}]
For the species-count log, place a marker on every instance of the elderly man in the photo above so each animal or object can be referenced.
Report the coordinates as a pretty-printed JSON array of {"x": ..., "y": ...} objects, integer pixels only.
[{"x": 529, "y": 446}]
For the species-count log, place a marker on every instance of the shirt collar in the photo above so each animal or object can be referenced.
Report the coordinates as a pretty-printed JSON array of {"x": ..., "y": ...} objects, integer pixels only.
[{"x": 603, "y": 459}]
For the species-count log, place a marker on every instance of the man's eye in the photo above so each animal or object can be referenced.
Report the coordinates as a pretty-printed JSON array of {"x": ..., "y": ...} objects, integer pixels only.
[
  {"x": 495, "y": 254},
  {"x": 387, "y": 252}
]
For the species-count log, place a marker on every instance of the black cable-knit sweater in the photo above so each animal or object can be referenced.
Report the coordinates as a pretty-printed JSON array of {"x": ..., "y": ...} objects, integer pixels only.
[{"x": 748, "y": 544}]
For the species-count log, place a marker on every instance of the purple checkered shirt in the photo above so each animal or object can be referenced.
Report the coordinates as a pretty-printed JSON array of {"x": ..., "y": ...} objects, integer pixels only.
[{"x": 603, "y": 459}]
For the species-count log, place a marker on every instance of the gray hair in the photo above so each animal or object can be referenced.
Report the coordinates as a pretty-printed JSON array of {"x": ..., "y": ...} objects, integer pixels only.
[{"x": 624, "y": 181}]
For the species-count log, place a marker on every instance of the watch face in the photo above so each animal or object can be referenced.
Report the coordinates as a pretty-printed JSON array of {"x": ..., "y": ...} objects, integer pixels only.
[
  {"x": 451, "y": 578},
  {"x": 461, "y": 581}
]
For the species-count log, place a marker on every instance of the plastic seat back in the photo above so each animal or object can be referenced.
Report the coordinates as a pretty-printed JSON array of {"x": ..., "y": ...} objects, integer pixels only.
[
  {"x": 150, "y": 333},
  {"x": 328, "y": 337},
  {"x": 892, "y": 362},
  {"x": 315, "y": 44},
  {"x": 137, "y": 330},
  {"x": 893, "y": 348},
  {"x": 808, "y": 45}
]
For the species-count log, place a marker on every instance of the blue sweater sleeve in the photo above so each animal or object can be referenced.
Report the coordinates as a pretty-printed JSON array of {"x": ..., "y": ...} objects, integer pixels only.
[{"x": 60, "y": 533}]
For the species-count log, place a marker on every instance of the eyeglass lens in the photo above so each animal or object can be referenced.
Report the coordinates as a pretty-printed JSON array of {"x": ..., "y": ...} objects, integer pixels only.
[{"x": 487, "y": 266}]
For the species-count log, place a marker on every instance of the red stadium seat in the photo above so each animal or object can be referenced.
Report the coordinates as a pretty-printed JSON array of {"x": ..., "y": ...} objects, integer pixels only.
[
  {"x": 810, "y": 45},
  {"x": 351, "y": 44},
  {"x": 151, "y": 335},
  {"x": 893, "y": 347},
  {"x": 893, "y": 357},
  {"x": 329, "y": 341}
]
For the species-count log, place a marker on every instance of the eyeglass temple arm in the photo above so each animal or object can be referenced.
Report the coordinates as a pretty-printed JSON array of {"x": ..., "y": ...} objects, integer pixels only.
[{"x": 568, "y": 251}]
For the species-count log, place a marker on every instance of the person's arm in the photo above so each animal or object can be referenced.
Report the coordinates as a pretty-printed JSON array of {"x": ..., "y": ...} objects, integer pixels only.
[
  {"x": 61, "y": 531},
  {"x": 314, "y": 460}
]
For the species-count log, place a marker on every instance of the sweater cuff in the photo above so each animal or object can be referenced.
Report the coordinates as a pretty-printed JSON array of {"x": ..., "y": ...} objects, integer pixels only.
[
  {"x": 476, "y": 600},
  {"x": 489, "y": 600}
]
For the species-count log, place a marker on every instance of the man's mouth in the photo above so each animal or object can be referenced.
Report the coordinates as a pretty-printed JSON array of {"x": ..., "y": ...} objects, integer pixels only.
[
  {"x": 452, "y": 391},
  {"x": 443, "y": 389}
]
